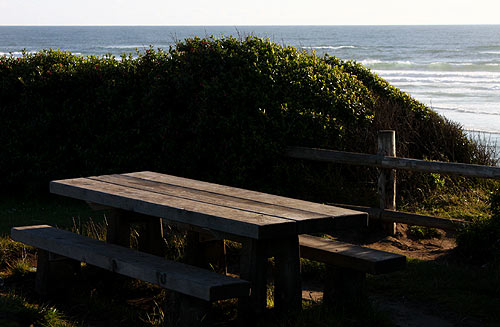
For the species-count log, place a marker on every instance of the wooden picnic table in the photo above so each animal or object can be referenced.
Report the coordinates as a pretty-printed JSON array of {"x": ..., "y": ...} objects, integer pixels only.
[{"x": 266, "y": 225}]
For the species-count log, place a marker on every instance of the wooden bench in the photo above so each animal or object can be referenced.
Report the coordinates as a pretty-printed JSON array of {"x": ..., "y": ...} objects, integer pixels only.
[
  {"x": 193, "y": 283},
  {"x": 347, "y": 266}
]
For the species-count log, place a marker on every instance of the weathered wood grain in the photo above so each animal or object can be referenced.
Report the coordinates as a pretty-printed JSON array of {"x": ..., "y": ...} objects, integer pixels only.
[
  {"x": 340, "y": 217},
  {"x": 349, "y": 256},
  {"x": 307, "y": 221},
  {"x": 373, "y": 160},
  {"x": 200, "y": 283},
  {"x": 192, "y": 212},
  {"x": 409, "y": 218},
  {"x": 209, "y": 197},
  {"x": 387, "y": 177}
]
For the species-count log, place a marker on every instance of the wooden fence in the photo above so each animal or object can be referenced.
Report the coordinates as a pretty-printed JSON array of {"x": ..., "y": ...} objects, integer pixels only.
[{"x": 386, "y": 160}]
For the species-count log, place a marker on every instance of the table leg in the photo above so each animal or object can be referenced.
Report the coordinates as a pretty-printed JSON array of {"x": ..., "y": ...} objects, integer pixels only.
[
  {"x": 151, "y": 236},
  {"x": 118, "y": 231},
  {"x": 150, "y": 233},
  {"x": 205, "y": 252},
  {"x": 287, "y": 289},
  {"x": 253, "y": 264}
]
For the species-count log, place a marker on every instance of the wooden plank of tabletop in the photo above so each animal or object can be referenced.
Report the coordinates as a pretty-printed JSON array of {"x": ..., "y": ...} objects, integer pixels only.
[
  {"x": 342, "y": 216},
  {"x": 228, "y": 220},
  {"x": 302, "y": 217}
]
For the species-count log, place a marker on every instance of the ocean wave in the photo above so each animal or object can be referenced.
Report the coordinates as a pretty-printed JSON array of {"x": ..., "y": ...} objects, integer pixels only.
[
  {"x": 486, "y": 47},
  {"x": 444, "y": 67},
  {"x": 469, "y": 111},
  {"x": 452, "y": 95},
  {"x": 486, "y": 94},
  {"x": 487, "y": 85},
  {"x": 331, "y": 47},
  {"x": 441, "y": 73},
  {"x": 125, "y": 46},
  {"x": 495, "y": 133},
  {"x": 15, "y": 53},
  {"x": 484, "y": 82}
]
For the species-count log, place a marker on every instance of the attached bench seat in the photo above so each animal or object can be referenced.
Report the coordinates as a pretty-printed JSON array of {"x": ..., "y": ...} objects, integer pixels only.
[
  {"x": 185, "y": 279},
  {"x": 347, "y": 266}
]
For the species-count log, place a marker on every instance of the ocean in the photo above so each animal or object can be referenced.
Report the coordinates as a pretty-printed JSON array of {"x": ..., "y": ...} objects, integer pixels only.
[{"x": 455, "y": 70}]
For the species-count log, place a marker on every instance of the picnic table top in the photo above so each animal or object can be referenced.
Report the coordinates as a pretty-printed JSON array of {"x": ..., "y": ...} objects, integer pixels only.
[{"x": 222, "y": 208}]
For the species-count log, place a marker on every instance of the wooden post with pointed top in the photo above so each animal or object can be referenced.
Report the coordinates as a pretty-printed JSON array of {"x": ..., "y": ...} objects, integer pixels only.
[{"x": 387, "y": 177}]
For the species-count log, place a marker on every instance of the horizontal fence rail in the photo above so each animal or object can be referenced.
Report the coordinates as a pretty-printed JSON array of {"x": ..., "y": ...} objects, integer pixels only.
[
  {"x": 379, "y": 161},
  {"x": 408, "y": 218},
  {"x": 387, "y": 161}
]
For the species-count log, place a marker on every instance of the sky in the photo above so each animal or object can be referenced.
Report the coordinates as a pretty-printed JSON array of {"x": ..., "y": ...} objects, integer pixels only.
[{"x": 254, "y": 12}]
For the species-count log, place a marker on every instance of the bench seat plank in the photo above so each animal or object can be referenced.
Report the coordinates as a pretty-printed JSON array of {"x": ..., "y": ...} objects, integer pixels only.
[
  {"x": 193, "y": 281},
  {"x": 205, "y": 215},
  {"x": 345, "y": 255}
]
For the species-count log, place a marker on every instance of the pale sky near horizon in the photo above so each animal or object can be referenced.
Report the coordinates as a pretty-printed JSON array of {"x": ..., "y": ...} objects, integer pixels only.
[{"x": 255, "y": 12}]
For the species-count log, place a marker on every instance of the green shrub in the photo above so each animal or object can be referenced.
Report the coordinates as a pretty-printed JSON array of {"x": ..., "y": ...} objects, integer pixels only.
[
  {"x": 221, "y": 110},
  {"x": 480, "y": 242},
  {"x": 420, "y": 232}
]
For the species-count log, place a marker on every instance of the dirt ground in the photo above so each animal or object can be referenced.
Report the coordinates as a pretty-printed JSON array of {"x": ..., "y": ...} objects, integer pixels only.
[
  {"x": 404, "y": 313},
  {"x": 423, "y": 249}
]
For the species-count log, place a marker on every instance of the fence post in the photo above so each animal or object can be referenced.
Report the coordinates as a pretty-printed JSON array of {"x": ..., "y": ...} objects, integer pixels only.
[{"x": 387, "y": 177}]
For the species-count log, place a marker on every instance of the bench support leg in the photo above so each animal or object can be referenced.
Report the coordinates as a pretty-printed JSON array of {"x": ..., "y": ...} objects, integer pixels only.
[
  {"x": 344, "y": 286},
  {"x": 185, "y": 310},
  {"x": 54, "y": 272}
]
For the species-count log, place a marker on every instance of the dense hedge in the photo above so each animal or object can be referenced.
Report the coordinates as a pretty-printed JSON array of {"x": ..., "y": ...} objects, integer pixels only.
[{"x": 216, "y": 109}]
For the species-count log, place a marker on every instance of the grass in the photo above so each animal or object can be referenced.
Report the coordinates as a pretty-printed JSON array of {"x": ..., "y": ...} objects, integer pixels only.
[
  {"x": 452, "y": 198},
  {"x": 98, "y": 299},
  {"x": 465, "y": 291},
  {"x": 49, "y": 209},
  {"x": 16, "y": 311}
]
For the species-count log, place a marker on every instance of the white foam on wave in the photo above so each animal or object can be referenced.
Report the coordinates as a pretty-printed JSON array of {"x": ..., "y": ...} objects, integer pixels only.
[
  {"x": 125, "y": 46},
  {"x": 465, "y": 96},
  {"x": 369, "y": 62},
  {"x": 422, "y": 73},
  {"x": 448, "y": 81},
  {"x": 331, "y": 47},
  {"x": 467, "y": 111},
  {"x": 15, "y": 53},
  {"x": 487, "y": 91},
  {"x": 445, "y": 67}
]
